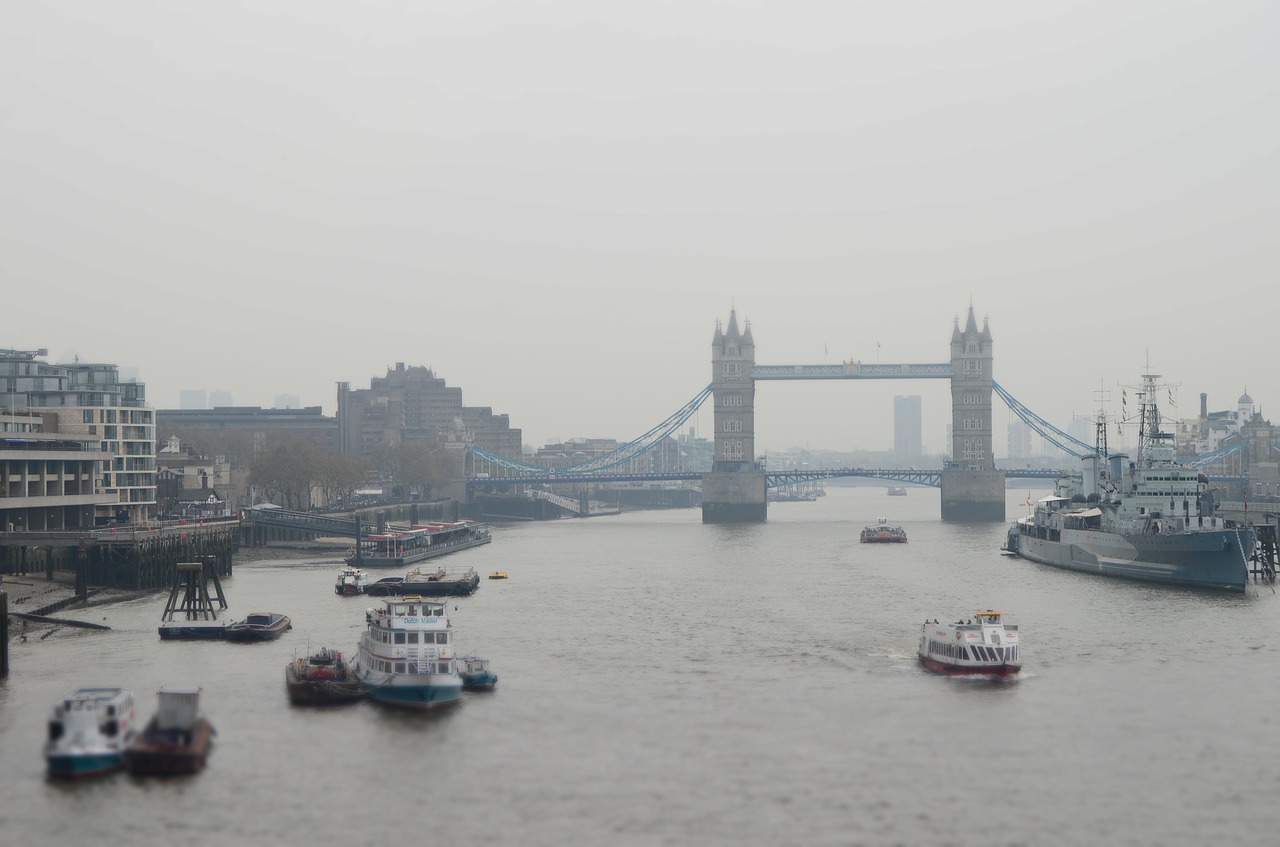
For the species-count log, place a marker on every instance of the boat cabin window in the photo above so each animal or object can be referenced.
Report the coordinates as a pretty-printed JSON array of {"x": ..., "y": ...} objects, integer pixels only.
[
  {"x": 399, "y": 637},
  {"x": 439, "y": 612},
  {"x": 399, "y": 667},
  {"x": 442, "y": 638},
  {"x": 413, "y": 610},
  {"x": 442, "y": 667},
  {"x": 413, "y": 638}
]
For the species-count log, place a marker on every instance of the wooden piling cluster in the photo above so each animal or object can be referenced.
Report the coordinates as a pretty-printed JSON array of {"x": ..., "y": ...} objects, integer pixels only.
[
  {"x": 1266, "y": 555},
  {"x": 139, "y": 562}
]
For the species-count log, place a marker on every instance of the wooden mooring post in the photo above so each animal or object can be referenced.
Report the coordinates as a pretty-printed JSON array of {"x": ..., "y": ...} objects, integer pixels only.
[{"x": 4, "y": 633}]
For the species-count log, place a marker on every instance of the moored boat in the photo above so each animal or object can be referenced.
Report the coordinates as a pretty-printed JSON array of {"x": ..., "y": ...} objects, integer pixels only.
[
  {"x": 897, "y": 491},
  {"x": 321, "y": 679},
  {"x": 883, "y": 532},
  {"x": 258, "y": 626},
  {"x": 406, "y": 656},
  {"x": 983, "y": 645},
  {"x": 89, "y": 732},
  {"x": 351, "y": 581},
  {"x": 176, "y": 740},
  {"x": 1151, "y": 519},
  {"x": 475, "y": 673},
  {"x": 435, "y": 583},
  {"x": 403, "y": 547}
]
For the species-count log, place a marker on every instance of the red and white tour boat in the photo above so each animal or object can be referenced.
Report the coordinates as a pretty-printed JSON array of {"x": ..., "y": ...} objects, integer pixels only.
[{"x": 983, "y": 644}]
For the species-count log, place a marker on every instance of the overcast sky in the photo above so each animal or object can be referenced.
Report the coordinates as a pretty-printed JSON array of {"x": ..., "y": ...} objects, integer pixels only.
[{"x": 552, "y": 203}]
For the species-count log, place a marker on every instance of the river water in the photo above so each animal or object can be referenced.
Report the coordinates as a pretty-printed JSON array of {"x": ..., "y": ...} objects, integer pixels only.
[{"x": 662, "y": 682}]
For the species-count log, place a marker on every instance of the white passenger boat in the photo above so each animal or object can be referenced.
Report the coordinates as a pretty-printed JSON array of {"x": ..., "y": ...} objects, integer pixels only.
[
  {"x": 406, "y": 656},
  {"x": 89, "y": 732},
  {"x": 351, "y": 581},
  {"x": 983, "y": 644}
]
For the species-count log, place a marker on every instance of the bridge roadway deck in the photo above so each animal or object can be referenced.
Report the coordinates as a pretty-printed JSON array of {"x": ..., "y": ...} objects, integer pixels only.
[{"x": 773, "y": 479}]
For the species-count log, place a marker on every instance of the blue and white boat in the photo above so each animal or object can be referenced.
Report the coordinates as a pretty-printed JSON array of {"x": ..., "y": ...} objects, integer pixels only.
[
  {"x": 406, "y": 657},
  {"x": 89, "y": 732},
  {"x": 475, "y": 673}
]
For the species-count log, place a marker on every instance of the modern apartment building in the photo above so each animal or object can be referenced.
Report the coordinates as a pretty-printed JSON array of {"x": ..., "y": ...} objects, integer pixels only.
[{"x": 91, "y": 404}]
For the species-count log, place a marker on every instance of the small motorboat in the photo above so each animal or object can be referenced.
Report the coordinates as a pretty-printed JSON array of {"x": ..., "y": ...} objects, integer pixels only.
[
  {"x": 983, "y": 644},
  {"x": 177, "y": 738},
  {"x": 498, "y": 575},
  {"x": 89, "y": 732},
  {"x": 259, "y": 626},
  {"x": 475, "y": 674}
]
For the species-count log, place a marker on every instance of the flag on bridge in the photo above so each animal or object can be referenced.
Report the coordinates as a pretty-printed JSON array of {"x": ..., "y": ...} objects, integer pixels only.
[{"x": 1171, "y": 403}]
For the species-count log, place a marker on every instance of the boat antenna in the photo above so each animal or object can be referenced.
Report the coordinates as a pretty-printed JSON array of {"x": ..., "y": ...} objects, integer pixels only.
[{"x": 1100, "y": 425}]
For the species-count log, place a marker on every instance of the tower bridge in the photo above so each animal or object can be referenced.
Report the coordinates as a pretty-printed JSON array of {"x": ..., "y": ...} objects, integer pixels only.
[
  {"x": 734, "y": 491},
  {"x": 973, "y": 488}
]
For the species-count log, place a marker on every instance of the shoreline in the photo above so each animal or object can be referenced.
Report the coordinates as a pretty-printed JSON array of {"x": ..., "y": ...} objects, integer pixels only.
[{"x": 32, "y": 591}]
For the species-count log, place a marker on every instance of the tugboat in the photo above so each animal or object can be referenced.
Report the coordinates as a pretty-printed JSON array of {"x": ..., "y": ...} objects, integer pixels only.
[
  {"x": 351, "y": 581},
  {"x": 89, "y": 732},
  {"x": 321, "y": 679},
  {"x": 176, "y": 740},
  {"x": 983, "y": 644}
]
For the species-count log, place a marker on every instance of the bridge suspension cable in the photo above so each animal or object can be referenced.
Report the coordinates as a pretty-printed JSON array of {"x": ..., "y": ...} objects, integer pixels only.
[
  {"x": 1067, "y": 443},
  {"x": 613, "y": 458},
  {"x": 1206, "y": 459},
  {"x": 631, "y": 449}
]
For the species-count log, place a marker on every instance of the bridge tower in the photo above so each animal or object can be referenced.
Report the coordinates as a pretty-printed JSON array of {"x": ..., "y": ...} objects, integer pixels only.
[
  {"x": 734, "y": 491},
  {"x": 972, "y": 487}
]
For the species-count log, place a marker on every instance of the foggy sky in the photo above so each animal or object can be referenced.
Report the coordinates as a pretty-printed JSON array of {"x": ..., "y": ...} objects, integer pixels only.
[{"x": 551, "y": 204}]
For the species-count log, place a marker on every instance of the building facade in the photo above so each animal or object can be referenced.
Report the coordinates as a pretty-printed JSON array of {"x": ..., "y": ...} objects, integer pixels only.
[
  {"x": 412, "y": 403},
  {"x": 92, "y": 403}
]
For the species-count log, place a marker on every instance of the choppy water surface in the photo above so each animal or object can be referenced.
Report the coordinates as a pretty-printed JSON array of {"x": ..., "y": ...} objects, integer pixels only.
[{"x": 666, "y": 682}]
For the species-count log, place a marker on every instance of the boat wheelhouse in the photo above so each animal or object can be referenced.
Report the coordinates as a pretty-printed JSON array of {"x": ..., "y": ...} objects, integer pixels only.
[
  {"x": 983, "y": 645},
  {"x": 89, "y": 732},
  {"x": 406, "y": 655}
]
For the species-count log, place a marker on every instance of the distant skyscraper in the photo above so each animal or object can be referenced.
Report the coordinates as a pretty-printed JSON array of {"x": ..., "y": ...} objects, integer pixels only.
[
  {"x": 193, "y": 398},
  {"x": 220, "y": 399},
  {"x": 288, "y": 401},
  {"x": 1022, "y": 441},
  {"x": 907, "y": 427}
]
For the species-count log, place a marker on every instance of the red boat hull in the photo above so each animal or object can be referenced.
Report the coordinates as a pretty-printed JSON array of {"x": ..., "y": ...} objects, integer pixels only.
[{"x": 1000, "y": 670}]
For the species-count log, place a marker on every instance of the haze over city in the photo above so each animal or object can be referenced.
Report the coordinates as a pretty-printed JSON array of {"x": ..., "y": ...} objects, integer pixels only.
[{"x": 553, "y": 204}]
